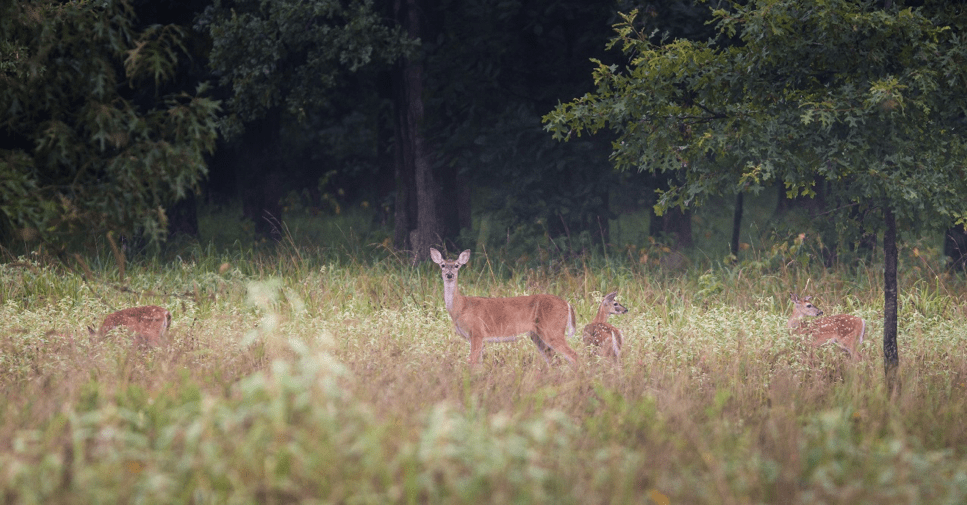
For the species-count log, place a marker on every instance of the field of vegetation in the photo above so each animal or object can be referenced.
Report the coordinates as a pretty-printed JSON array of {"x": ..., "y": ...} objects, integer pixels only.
[{"x": 333, "y": 375}]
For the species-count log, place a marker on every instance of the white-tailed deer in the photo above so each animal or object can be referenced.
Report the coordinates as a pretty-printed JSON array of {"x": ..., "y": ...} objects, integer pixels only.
[
  {"x": 148, "y": 324},
  {"x": 844, "y": 330},
  {"x": 601, "y": 334},
  {"x": 546, "y": 319}
]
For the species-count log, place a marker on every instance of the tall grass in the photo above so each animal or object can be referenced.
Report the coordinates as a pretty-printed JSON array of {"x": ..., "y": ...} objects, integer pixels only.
[{"x": 332, "y": 376}]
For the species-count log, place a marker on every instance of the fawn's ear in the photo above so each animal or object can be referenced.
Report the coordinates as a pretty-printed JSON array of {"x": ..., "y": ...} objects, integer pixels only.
[
  {"x": 793, "y": 297},
  {"x": 464, "y": 257},
  {"x": 436, "y": 256},
  {"x": 610, "y": 296}
]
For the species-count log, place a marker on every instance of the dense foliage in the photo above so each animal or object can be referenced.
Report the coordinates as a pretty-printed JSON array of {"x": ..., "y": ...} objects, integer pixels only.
[
  {"x": 291, "y": 54},
  {"x": 106, "y": 121},
  {"x": 94, "y": 139},
  {"x": 865, "y": 97}
]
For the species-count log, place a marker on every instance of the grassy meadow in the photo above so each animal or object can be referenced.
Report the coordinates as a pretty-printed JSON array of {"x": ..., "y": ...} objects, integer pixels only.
[{"x": 301, "y": 374}]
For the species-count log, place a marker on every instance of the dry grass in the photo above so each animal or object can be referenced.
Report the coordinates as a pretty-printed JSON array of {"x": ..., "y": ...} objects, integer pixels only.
[{"x": 290, "y": 379}]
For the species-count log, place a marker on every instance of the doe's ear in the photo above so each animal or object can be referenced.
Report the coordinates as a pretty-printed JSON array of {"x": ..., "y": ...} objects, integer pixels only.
[
  {"x": 464, "y": 257},
  {"x": 436, "y": 256}
]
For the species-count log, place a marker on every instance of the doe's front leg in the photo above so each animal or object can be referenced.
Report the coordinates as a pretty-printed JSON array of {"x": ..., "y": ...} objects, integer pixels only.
[{"x": 476, "y": 349}]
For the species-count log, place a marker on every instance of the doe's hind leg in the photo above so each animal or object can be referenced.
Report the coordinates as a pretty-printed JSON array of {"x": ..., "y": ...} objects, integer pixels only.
[
  {"x": 560, "y": 345},
  {"x": 546, "y": 351}
]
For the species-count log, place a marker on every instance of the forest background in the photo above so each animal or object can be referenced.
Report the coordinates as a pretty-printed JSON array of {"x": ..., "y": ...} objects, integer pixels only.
[
  {"x": 274, "y": 172},
  {"x": 129, "y": 117}
]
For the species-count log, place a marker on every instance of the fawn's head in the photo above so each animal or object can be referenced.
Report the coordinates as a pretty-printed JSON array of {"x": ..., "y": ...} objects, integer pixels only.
[
  {"x": 612, "y": 305},
  {"x": 802, "y": 307},
  {"x": 449, "y": 267}
]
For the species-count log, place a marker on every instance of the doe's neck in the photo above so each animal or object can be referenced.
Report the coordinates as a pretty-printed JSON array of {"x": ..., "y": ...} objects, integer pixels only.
[{"x": 450, "y": 293}]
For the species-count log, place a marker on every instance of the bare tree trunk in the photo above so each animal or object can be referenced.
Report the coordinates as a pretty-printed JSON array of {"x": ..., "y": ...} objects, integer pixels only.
[
  {"x": 675, "y": 222},
  {"x": 418, "y": 232},
  {"x": 891, "y": 357},
  {"x": 737, "y": 224},
  {"x": 678, "y": 223},
  {"x": 604, "y": 222},
  {"x": 183, "y": 217},
  {"x": 955, "y": 247},
  {"x": 427, "y": 225}
]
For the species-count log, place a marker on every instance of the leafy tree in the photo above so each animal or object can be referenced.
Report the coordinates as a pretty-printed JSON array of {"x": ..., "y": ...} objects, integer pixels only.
[
  {"x": 865, "y": 96},
  {"x": 91, "y": 141},
  {"x": 292, "y": 53},
  {"x": 280, "y": 64}
]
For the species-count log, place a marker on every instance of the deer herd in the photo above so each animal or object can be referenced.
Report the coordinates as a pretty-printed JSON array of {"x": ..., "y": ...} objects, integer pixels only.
[
  {"x": 549, "y": 320},
  {"x": 546, "y": 319}
]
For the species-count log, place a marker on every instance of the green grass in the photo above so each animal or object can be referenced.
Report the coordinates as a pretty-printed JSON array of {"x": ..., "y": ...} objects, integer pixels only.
[{"x": 331, "y": 374}]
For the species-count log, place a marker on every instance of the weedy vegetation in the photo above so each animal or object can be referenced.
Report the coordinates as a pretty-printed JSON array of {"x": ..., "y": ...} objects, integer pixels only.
[{"x": 333, "y": 375}]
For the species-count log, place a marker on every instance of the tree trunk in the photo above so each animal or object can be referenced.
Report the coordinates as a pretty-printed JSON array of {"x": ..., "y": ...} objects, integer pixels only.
[
  {"x": 737, "y": 224},
  {"x": 955, "y": 247},
  {"x": 891, "y": 357},
  {"x": 419, "y": 227},
  {"x": 675, "y": 223},
  {"x": 603, "y": 223},
  {"x": 183, "y": 217}
]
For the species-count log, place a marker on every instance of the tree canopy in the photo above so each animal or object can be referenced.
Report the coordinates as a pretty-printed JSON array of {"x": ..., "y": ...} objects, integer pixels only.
[
  {"x": 866, "y": 97},
  {"x": 292, "y": 53},
  {"x": 92, "y": 137},
  {"x": 104, "y": 127}
]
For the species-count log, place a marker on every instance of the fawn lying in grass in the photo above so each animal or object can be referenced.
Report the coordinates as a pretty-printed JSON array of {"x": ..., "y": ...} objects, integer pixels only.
[{"x": 147, "y": 324}]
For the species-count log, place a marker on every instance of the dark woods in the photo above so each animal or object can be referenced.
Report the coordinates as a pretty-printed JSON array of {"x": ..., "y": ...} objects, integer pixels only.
[{"x": 426, "y": 113}]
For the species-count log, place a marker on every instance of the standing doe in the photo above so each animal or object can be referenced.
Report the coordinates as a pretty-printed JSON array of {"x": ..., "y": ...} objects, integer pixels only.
[
  {"x": 600, "y": 333},
  {"x": 546, "y": 319},
  {"x": 844, "y": 330},
  {"x": 148, "y": 324}
]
